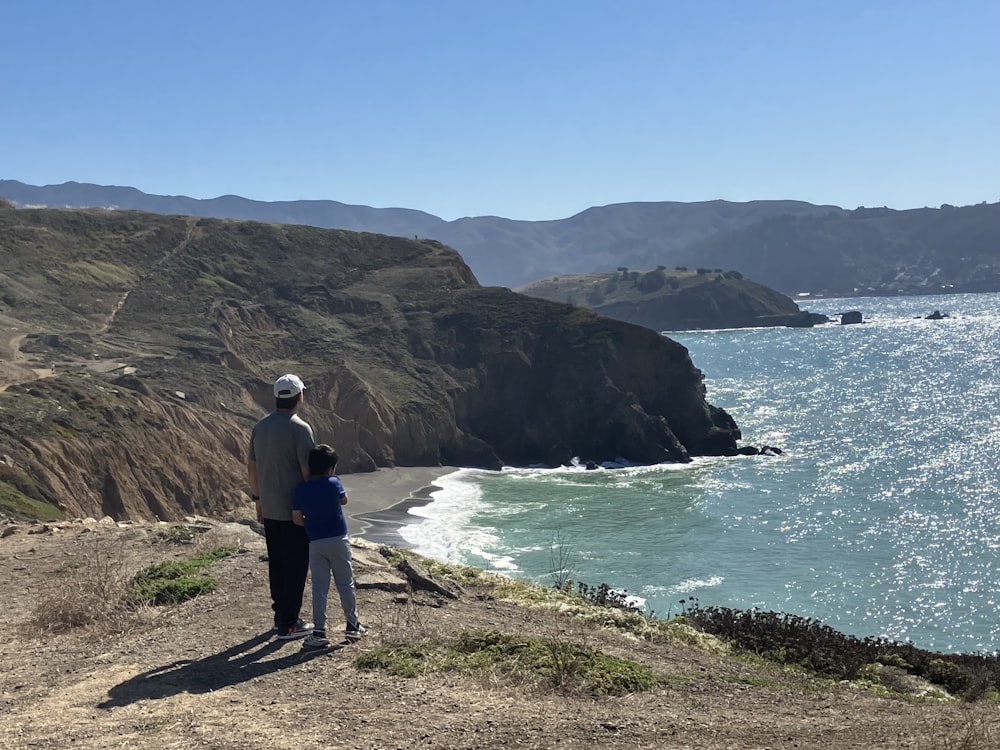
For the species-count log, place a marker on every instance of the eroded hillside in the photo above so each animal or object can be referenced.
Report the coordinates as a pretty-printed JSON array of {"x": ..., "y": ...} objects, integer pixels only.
[{"x": 159, "y": 337}]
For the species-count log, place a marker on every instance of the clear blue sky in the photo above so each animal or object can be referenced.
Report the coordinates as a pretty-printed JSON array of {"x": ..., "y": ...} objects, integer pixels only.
[{"x": 529, "y": 109}]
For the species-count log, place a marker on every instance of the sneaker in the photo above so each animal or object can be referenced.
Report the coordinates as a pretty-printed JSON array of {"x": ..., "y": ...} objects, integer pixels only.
[
  {"x": 316, "y": 639},
  {"x": 355, "y": 632},
  {"x": 299, "y": 630},
  {"x": 298, "y": 623}
]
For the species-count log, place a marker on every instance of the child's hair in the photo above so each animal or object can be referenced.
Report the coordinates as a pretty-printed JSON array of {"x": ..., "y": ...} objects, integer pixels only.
[{"x": 322, "y": 458}]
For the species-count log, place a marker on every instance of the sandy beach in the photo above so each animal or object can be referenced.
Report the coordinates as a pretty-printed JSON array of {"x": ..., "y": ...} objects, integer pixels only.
[{"x": 378, "y": 501}]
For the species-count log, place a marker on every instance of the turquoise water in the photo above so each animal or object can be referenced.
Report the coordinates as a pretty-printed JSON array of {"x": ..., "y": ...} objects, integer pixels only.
[{"x": 881, "y": 518}]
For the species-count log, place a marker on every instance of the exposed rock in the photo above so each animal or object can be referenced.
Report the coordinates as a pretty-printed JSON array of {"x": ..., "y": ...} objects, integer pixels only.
[
  {"x": 385, "y": 580},
  {"x": 851, "y": 317},
  {"x": 420, "y": 578},
  {"x": 764, "y": 450},
  {"x": 802, "y": 319}
]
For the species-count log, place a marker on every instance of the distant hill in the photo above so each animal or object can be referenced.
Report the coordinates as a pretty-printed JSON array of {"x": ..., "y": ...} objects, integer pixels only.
[
  {"x": 866, "y": 251},
  {"x": 678, "y": 299},
  {"x": 790, "y": 246}
]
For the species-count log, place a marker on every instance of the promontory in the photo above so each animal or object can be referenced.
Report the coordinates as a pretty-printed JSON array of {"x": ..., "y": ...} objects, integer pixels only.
[{"x": 139, "y": 349}]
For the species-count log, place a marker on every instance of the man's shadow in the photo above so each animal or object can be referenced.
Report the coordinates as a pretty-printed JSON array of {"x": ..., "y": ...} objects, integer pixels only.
[{"x": 236, "y": 664}]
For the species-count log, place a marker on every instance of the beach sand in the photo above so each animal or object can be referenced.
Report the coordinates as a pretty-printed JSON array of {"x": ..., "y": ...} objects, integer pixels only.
[{"x": 378, "y": 501}]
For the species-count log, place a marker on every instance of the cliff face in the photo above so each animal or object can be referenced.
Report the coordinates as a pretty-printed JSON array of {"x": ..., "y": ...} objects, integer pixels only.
[{"x": 142, "y": 348}]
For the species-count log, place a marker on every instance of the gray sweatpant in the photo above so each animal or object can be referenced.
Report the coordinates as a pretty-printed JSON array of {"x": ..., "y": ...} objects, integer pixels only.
[{"x": 326, "y": 556}]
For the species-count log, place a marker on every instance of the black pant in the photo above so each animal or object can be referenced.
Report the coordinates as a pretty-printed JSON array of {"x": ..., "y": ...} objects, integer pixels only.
[{"x": 287, "y": 567}]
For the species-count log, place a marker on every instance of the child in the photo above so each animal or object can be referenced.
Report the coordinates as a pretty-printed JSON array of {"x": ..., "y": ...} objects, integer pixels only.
[{"x": 317, "y": 506}]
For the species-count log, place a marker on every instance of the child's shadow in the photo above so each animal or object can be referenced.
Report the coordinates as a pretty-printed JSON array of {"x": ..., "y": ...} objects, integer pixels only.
[{"x": 236, "y": 664}]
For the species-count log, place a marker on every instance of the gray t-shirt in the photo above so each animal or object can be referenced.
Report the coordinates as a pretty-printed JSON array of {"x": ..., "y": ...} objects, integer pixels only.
[{"x": 280, "y": 444}]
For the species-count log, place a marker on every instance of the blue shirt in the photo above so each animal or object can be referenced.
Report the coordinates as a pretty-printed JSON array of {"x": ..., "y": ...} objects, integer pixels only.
[{"x": 319, "y": 501}]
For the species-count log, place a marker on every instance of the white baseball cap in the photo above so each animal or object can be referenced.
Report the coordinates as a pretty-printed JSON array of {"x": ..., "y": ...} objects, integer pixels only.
[{"x": 288, "y": 386}]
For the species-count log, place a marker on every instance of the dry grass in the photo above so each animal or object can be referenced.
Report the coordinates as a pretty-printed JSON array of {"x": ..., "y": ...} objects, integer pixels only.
[
  {"x": 93, "y": 588},
  {"x": 87, "y": 590},
  {"x": 979, "y": 732}
]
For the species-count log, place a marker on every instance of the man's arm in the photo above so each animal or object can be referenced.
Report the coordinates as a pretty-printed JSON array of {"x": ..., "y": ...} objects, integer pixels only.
[
  {"x": 297, "y": 518},
  {"x": 343, "y": 499},
  {"x": 304, "y": 443},
  {"x": 254, "y": 488}
]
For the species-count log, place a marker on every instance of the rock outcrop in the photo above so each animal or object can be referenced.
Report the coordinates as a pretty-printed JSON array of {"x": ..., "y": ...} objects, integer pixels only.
[
  {"x": 677, "y": 300},
  {"x": 160, "y": 337}
]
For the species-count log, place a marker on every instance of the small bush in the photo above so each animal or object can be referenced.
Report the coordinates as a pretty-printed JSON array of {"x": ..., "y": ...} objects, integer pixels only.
[
  {"x": 605, "y": 596},
  {"x": 176, "y": 580},
  {"x": 399, "y": 662},
  {"x": 549, "y": 663},
  {"x": 88, "y": 590},
  {"x": 180, "y": 534},
  {"x": 808, "y": 643},
  {"x": 168, "y": 583}
]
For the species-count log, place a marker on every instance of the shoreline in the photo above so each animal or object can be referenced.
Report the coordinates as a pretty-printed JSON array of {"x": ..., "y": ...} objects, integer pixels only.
[{"x": 379, "y": 501}]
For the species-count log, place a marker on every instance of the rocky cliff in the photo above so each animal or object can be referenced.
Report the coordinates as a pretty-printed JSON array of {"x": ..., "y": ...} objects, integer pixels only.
[{"x": 141, "y": 348}]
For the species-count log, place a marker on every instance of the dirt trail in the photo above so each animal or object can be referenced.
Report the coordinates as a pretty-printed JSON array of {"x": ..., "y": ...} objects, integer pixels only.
[
  {"x": 188, "y": 236},
  {"x": 16, "y": 367}
]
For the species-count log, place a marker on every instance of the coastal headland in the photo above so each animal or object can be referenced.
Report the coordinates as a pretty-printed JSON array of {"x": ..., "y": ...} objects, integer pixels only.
[
  {"x": 208, "y": 673},
  {"x": 140, "y": 350}
]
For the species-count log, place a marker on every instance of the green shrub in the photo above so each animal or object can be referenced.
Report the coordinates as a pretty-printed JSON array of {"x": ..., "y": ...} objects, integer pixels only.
[
  {"x": 557, "y": 664},
  {"x": 180, "y": 534},
  {"x": 176, "y": 580},
  {"x": 399, "y": 662},
  {"x": 169, "y": 586},
  {"x": 808, "y": 643}
]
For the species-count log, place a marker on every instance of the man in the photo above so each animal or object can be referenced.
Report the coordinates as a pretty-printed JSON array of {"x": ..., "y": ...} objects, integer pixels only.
[{"x": 278, "y": 462}]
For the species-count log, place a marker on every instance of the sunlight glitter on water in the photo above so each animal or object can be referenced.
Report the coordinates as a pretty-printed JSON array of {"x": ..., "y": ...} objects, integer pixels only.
[{"x": 879, "y": 519}]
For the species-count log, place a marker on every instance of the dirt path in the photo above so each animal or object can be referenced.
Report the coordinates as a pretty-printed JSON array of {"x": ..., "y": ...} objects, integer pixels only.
[
  {"x": 123, "y": 298},
  {"x": 17, "y": 368}
]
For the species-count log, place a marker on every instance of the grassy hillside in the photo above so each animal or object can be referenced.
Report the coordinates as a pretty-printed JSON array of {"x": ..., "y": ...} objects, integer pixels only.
[
  {"x": 498, "y": 664},
  {"x": 675, "y": 299}
]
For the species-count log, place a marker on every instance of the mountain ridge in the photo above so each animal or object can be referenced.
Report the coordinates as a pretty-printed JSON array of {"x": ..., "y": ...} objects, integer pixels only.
[
  {"x": 501, "y": 251},
  {"x": 790, "y": 246}
]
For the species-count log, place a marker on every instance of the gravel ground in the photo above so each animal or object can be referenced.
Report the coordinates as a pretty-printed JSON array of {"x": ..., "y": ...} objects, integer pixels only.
[{"x": 208, "y": 674}]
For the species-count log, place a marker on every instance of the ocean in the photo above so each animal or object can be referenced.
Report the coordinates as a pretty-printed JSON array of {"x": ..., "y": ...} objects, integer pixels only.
[{"x": 880, "y": 518}]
